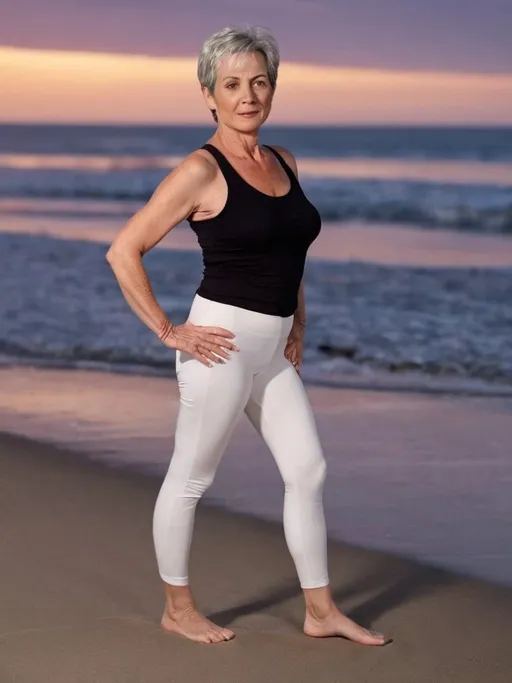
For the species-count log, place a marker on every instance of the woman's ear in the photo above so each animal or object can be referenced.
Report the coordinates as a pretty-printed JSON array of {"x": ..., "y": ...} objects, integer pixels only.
[
  {"x": 208, "y": 97},
  {"x": 210, "y": 102}
]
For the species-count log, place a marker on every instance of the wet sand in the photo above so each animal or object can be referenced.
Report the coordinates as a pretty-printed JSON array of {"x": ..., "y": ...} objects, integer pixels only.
[{"x": 81, "y": 598}]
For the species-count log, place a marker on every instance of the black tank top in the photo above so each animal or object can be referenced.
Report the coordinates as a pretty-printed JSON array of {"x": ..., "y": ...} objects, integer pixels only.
[{"x": 254, "y": 251}]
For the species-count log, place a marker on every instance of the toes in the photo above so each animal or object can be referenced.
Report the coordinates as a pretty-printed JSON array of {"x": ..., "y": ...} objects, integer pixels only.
[
  {"x": 205, "y": 632},
  {"x": 215, "y": 636},
  {"x": 377, "y": 637}
]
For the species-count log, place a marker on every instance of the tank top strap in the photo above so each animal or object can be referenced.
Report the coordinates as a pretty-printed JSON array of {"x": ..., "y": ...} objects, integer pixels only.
[
  {"x": 283, "y": 163},
  {"x": 227, "y": 169}
]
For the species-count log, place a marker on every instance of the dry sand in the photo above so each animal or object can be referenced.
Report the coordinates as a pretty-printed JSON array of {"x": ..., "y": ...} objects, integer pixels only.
[{"x": 81, "y": 598}]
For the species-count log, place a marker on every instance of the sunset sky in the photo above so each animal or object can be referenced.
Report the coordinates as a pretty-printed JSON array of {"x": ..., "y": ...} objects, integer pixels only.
[{"x": 370, "y": 61}]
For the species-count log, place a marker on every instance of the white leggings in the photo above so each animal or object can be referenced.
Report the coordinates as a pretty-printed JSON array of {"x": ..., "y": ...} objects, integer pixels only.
[{"x": 259, "y": 380}]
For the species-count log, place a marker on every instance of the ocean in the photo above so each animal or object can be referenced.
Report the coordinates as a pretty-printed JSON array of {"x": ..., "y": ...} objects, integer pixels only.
[{"x": 61, "y": 306}]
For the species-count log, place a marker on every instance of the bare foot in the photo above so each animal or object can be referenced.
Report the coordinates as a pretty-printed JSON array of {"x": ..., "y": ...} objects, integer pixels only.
[
  {"x": 337, "y": 624},
  {"x": 193, "y": 625}
]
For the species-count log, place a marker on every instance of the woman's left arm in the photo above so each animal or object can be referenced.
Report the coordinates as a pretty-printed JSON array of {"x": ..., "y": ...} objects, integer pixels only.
[
  {"x": 295, "y": 345},
  {"x": 300, "y": 314}
]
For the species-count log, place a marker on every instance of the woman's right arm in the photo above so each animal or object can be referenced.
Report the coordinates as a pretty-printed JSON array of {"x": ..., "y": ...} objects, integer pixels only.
[{"x": 176, "y": 197}]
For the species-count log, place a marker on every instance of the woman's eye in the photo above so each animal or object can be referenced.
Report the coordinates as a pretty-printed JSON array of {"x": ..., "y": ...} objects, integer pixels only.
[{"x": 234, "y": 85}]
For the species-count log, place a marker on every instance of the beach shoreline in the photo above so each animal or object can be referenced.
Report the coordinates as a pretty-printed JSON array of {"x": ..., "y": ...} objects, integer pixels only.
[
  {"x": 371, "y": 380},
  {"x": 435, "y": 493}
]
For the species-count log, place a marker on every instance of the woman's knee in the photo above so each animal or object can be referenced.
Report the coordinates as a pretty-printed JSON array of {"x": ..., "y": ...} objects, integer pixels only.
[
  {"x": 179, "y": 482},
  {"x": 307, "y": 475},
  {"x": 196, "y": 487}
]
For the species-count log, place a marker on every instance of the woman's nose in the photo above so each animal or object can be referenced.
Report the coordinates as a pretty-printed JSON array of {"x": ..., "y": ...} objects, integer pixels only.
[{"x": 248, "y": 94}]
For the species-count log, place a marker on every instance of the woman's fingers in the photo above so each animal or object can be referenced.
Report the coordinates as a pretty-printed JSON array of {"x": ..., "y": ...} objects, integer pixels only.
[
  {"x": 293, "y": 355},
  {"x": 217, "y": 349},
  {"x": 218, "y": 342},
  {"x": 213, "y": 351},
  {"x": 218, "y": 331},
  {"x": 206, "y": 357},
  {"x": 216, "y": 345},
  {"x": 208, "y": 353},
  {"x": 208, "y": 344},
  {"x": 296, "y": 362},
  {"x": 203, "y": 360}
]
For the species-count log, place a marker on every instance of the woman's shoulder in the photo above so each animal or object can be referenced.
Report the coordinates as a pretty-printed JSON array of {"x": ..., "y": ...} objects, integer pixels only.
[
  {"x": 287, "y": 156},
  {"x": 194, "y": 172},
  {"x": 200, "y": 161}
]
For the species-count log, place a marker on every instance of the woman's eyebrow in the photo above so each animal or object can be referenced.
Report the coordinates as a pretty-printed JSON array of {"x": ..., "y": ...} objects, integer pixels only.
[{"x": 237, "y": 77}]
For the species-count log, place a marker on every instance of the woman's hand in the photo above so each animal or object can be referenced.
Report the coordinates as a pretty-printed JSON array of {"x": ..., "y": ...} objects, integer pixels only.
[
  {"x": 204, "y": 343},
  {"x": 295, "y": 345}
]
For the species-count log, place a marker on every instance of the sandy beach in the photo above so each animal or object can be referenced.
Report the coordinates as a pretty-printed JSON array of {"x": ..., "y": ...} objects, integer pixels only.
[{"x": 81, "y": 599}]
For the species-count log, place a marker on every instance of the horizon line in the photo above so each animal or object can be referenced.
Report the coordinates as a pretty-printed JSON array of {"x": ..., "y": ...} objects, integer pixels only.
[{"x": 188, "y": 124}]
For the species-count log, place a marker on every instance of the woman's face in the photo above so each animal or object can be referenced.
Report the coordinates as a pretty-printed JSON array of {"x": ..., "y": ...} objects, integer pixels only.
[{"x": 242, "y": 87}]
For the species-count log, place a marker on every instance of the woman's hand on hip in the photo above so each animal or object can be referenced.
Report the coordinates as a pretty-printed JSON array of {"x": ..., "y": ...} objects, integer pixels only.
[
  {"x": 206, "y": 344},
  {"x": 295, "y": 346}
]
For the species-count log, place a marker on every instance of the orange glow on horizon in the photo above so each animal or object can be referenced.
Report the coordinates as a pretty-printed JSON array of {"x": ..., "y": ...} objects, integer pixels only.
[{"x": 59, "y": 86}]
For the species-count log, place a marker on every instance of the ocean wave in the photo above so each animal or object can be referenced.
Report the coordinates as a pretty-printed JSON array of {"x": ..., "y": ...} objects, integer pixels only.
[
  {"x": 448, "y": 322},
  {"x": 451, "y": 171},
  {"x": 484, "y": 208},
  {"x": 493, "y": 144},
  {"x": 341, "y": 361}
]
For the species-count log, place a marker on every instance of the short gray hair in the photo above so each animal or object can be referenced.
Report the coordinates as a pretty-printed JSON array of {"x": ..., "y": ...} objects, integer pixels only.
[{"x": 235, "y": 40}]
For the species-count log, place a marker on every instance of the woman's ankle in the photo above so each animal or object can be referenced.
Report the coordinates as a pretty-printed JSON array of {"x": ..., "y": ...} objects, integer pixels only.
[
  {"x": 319, "y": 602},
  {"x": 178, "y": 599}
]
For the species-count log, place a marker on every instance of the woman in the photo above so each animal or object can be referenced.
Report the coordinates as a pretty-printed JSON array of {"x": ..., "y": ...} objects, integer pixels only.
[{"x": 241, "y": 346}]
